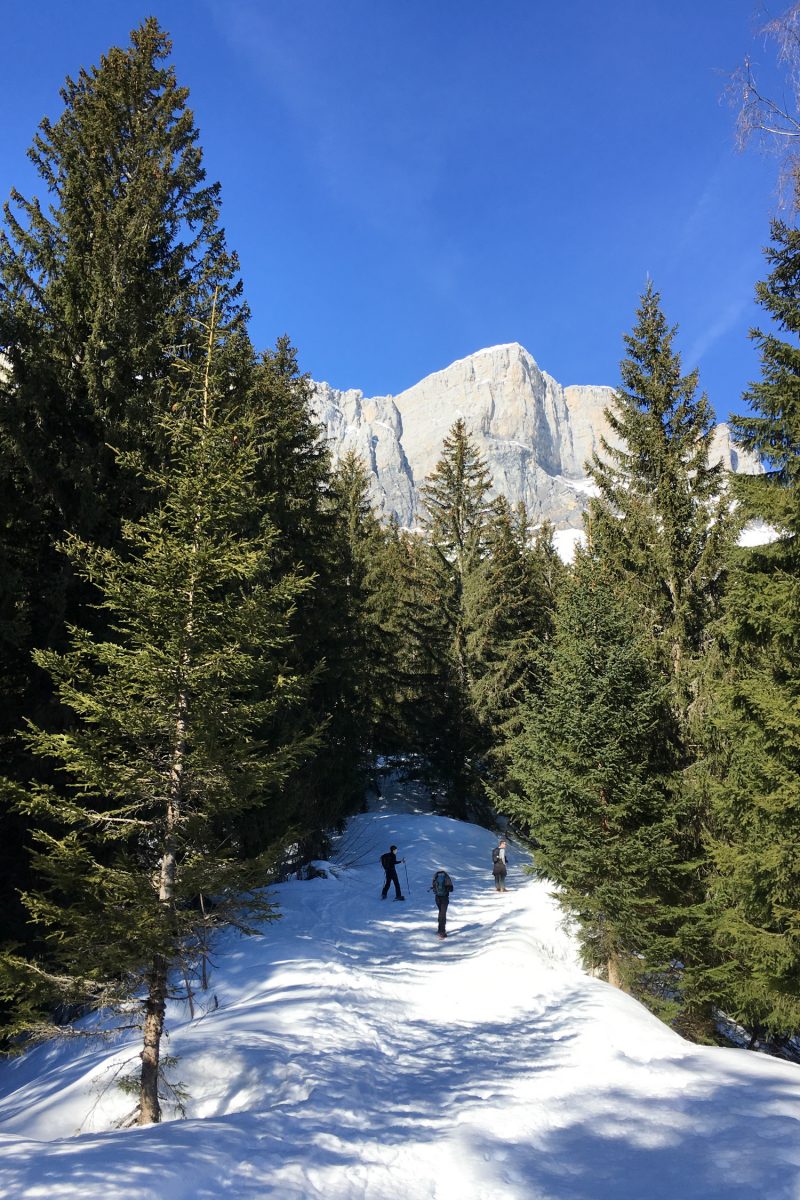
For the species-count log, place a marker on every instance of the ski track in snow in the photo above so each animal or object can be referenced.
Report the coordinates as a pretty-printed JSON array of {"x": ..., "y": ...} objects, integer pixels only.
[{"x": 354, "y": 1056}]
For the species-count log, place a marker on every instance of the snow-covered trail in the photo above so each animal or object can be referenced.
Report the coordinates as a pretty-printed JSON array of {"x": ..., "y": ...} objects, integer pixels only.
[{"x": 354, "y": 1056}]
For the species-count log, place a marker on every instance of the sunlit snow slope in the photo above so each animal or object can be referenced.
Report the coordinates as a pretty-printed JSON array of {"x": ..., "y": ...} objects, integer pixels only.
[{"x": 354, "y": 1056}]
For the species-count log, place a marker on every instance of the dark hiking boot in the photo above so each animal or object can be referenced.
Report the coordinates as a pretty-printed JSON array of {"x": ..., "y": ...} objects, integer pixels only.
[
  {"x": 399, "y": 897},
  {"x": 442, "y": 935}
]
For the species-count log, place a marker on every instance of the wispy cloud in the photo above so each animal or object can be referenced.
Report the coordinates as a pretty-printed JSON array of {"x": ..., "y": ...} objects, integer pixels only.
[
  {"x": 728, "y": 319},
  {"x": 702, "y": 213},
  {"x": 351, "y": 131}
]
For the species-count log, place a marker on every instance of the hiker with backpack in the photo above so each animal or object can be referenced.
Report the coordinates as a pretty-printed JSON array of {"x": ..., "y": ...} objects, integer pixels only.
[
  {"x": 441, "y": 887},
  {"x": 500, "y": 865},
  {"x": 389, "y": 862}
]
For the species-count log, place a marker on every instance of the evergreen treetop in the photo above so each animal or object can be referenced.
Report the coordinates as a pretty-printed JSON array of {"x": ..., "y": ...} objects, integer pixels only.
[
  {"x": 772, "y": 427},
  {"x": 662, "y": 515},
  {"x": 455, "y": 498},
  {"x": 102, "y": 285}
]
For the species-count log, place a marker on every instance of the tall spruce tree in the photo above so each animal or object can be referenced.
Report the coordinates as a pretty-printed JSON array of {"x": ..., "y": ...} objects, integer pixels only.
[
  {"x": 754, "y": 903},
  {"x": 594, "y": 765},
  {"x": 105, "y": 281},
  {"x": 455, "y": 519},
  {"x": 663, "y": 525},
  {"x": 511, "y": 604},
  {"x": 420, "y": 648},
  {"x": 101, "y": 286},
  {"x": 106, "y": 285},
  {"x": 371, "y": 583},
  {"x": 294, "y": 469},
  {"x": 186, "y": 718},
  {"x": 393, "y": 617},
  {"x": 662, "y": 517}
]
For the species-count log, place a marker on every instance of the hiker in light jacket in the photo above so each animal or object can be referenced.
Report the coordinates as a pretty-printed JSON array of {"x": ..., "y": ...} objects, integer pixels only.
[{"x": 500, "y": 865}]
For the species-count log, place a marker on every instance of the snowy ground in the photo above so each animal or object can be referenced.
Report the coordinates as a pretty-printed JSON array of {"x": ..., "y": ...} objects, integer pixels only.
[{"x": 354, "y": 1056}]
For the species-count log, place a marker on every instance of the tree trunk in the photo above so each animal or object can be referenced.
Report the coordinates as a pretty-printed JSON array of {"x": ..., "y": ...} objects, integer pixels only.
[
  {"x": 149, "y": 1107},
  {"x": 612, "y": 968},
  {"x": 676, "y": 649}
]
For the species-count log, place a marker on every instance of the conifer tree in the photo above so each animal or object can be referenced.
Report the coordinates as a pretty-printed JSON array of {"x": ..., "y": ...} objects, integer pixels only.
[
  {"x": 106, "y": 279},
  {"x": 294, "y": 461},
  {"x": 510, "y": 609},
  {"x": 396, "y": 616},
  {"x": 430, "y": 677},
  {"x": 455, "y": 520},
  {"x": 663, "y": 524},
  {"x": 416, "y": 717},
  {"x": 187, "y": 716},
  {"x": 105, "y": 287},
  {"x": 594, "y": 767},
  {"x": 662, "y": 517},
  {"x": 294, "y": 469},
  {"x": 522, "y": 577},
  {"x": 371, "y": 582},
  {"x": 100, "y": 287},
  {"x": 455, "y": 500},
  {"x": 754, "y": 903}
]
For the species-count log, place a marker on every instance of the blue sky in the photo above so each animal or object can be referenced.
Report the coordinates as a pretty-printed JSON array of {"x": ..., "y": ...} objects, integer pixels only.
[{"x": 407, "y": 182}]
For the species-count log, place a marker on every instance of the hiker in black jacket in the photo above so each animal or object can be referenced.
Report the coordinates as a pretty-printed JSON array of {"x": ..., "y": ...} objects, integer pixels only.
[
  {"x": 389, "y": 862},
  {"x": 441, "y": 887}
]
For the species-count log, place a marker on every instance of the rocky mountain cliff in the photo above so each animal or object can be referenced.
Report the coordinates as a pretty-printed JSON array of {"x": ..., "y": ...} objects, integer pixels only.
[{"x": 534, "y": 434}]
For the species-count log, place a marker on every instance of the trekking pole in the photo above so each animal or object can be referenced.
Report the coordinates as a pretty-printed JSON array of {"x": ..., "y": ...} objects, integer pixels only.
[{"x": 408, "y": 889}]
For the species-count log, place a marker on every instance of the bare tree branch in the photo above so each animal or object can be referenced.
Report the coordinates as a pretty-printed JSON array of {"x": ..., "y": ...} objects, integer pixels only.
[{"x": 774, "y": 122}]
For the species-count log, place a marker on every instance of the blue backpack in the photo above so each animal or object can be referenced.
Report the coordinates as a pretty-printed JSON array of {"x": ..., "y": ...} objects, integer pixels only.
[{"x": 441, "y": 883}]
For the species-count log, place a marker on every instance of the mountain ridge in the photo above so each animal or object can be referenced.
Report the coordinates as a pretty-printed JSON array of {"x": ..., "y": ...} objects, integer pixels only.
[{"x": 535, "y": 434}]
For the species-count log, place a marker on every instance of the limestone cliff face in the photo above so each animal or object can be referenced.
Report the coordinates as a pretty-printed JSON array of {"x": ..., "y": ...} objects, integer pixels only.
[
  {"x": 534, "y": 434},
  {"x": 373, "y": 428}
]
